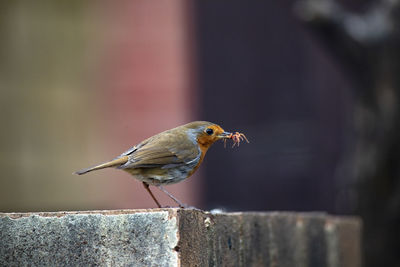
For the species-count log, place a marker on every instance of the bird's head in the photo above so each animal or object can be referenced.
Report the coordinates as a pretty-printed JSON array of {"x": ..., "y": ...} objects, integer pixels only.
[{"x": 206, "y": 133}]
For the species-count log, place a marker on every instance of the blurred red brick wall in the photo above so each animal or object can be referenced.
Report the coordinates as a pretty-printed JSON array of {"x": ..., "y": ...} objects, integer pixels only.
[{"x": 147, "y": 87}]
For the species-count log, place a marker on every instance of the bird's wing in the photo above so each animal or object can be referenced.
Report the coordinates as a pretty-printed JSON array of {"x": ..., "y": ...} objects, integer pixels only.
[{"x": 164, "y": 151}]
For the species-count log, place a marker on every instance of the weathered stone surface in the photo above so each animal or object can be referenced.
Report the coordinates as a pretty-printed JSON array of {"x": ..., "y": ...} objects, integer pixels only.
[
  {"x": 89, "y": 239},
  {"x": 178, "y": 237}
]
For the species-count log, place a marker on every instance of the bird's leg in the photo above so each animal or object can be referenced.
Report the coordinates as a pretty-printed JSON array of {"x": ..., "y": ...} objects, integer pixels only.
[
  {"x": 181, "y": 205},
  {"x": 151, "y": 194}
]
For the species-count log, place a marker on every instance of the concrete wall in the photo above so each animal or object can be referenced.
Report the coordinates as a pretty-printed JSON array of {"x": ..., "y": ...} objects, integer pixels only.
[{"x": 178, "y": 237}]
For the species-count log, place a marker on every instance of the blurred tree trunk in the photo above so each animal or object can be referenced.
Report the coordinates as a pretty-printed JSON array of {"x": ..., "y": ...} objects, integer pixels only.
[{"x": 367, "y": 44}]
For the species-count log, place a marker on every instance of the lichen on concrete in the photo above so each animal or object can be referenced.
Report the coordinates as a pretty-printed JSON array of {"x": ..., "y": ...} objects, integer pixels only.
[{"x": 135, "y": 239}]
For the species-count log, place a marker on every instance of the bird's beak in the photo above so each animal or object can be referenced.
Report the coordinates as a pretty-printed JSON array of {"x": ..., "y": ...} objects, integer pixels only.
[{"x": 225, "y": 135}]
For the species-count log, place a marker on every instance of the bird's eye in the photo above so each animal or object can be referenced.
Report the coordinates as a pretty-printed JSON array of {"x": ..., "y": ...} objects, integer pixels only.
[{"x": 209, "y": 131}]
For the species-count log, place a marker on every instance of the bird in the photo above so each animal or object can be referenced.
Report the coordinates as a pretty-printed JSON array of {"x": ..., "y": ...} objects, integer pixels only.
[{"x": 168, "y": 157}]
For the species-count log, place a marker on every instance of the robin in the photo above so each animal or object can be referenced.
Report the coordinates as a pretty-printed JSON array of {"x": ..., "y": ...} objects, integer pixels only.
[{"x": 169, "y": 157}]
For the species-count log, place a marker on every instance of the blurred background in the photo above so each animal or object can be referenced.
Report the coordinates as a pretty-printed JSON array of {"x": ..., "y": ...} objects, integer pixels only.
[{"x": 314, "y": 85}]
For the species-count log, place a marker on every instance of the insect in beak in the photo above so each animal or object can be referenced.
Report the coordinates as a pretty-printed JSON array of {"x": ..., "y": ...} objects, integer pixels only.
[{"x": 236, "y": 138}]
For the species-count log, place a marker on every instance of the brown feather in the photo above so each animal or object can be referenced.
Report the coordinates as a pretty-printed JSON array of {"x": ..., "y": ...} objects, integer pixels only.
[
  {"x": 114, "y": 163},
  {"x": 163, "y": 150}
]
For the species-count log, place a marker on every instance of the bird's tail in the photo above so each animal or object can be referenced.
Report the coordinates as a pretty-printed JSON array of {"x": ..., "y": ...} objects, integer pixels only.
[{"x": 114, "y": 163}]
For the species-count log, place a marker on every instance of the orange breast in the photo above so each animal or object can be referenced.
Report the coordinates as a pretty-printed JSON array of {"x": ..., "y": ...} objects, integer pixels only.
[{"x": 204, "y": 146}]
